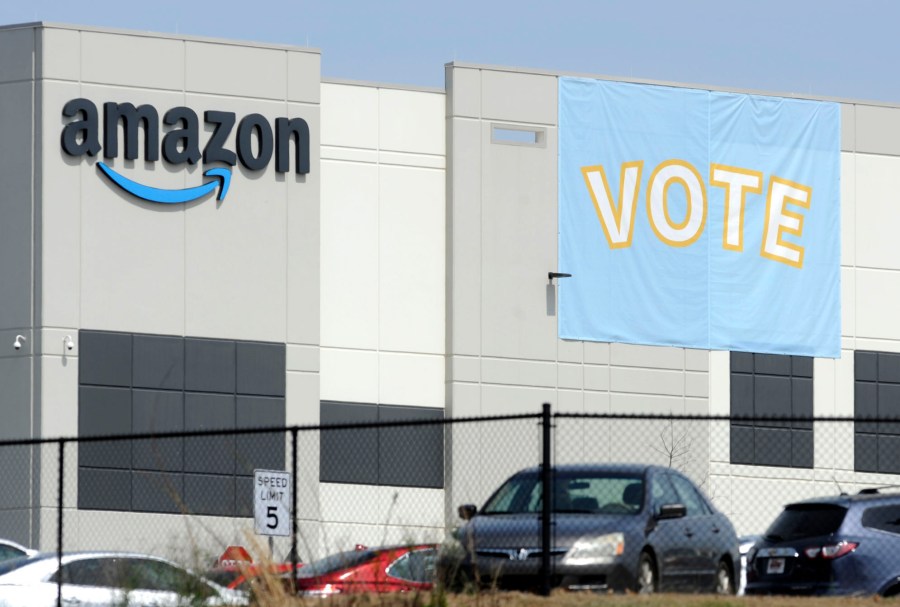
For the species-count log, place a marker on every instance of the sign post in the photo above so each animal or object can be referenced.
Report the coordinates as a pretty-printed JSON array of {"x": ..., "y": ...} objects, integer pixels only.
[{"x": 272, "y": 502}]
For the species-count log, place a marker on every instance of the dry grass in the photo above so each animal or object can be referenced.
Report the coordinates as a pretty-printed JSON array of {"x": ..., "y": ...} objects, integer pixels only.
[
  {"x": 278, "y": 598},
  {"x": 513, "y": 599}
]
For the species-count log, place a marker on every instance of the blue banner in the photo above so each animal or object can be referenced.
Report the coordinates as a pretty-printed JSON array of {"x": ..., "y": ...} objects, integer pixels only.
[{"x": 699, "y": 219}]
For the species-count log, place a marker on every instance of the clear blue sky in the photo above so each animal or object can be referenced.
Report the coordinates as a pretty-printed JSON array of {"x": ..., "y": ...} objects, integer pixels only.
[{"x": 847, "y": 49}]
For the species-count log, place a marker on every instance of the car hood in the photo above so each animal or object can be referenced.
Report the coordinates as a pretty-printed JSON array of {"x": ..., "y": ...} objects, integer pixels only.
[{"x": 518, "y": 530}]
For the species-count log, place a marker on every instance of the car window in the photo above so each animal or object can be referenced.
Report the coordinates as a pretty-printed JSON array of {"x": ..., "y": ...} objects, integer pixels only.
[
  {"x": 884, "y": 518},
  {"x": 579, "y": 492},
  {"x": 414, "y": 566},
  {"x": 687, "y": 495},
  {"x": 90, "y": 572},
  {"x": 336, "y": 562},
  {"x": 799, "y": 521},
  {"x": 150, "y": 574},
  {"x": 8, "y": 552},
  {"x": 662, "y": 491}
]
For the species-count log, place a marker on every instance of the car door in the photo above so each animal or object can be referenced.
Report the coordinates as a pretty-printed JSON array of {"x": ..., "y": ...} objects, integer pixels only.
[
  {"x": 89, "y": 582},
  {"x": 668, "y": 538},
  {"x": 701, "y": 530},
  {"x": 155, "y": 583}
]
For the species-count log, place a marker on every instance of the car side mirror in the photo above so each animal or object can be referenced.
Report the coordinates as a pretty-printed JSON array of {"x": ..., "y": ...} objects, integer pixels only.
[
  {"x": 671, "y": 511},
  {"x": 467, "y": 511}
]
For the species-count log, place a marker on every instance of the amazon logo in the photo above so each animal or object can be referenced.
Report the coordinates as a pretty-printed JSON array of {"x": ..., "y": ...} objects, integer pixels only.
[{"x": 256, "y": 143}]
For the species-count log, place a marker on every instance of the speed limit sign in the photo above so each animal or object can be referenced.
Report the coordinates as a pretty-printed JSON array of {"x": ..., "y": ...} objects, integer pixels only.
[{"x": 272, "y": 502}]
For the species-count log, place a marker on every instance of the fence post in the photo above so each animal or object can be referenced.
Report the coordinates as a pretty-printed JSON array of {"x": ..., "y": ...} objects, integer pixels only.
[
  {"x": 294, "y": 510},
  {"x": 547, "y": 501},
  {"x": 59, "y": 520}
]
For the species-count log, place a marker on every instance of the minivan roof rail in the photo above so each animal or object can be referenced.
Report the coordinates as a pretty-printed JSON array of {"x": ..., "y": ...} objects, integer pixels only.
[{"x": 875, "y": 490}]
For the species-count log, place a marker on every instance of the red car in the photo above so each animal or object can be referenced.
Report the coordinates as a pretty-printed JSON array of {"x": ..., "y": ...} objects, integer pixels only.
[{"x": 384, "y": 569}]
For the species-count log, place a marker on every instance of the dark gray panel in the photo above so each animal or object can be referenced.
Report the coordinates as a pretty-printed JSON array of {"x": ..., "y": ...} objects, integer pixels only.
[
  {"x": 411, "y": 456},
  {"x": 888, "y": 367},
  {"x": 104, "y": 411},
  {"x": 802, "y": 402},
  {"x": 158, "y": 362},
  {"x": 889, "y": 454},
  {"x": 741, "y": 362},
  {"x": 773, "y": 447},
  {"x": 104, "y": 359},
  {"x": 209, "y": 494},
  {"x": 209, "y": 365},
  {"x": 865, "y": 366},
  {"x": 742, "y": 396},
  {"x": 157, "y": 492},
  {"x": 264, "y": 451},
  {"x": 889, "y": 407},
  {"x": 772, "y": 398},
  {"x": 802, "y": 448},
  {"x": 260, "y": 368},
  {"x": 348, "y": 456},
  {"x": 243, "y": 495},
  {"x": 209, "y": 454},
  {"x": 865, "y": 405},
  {"x": 772, "y": 364},
  {"x": 742, "y": 445},
  {"x": 158, "y": 411},
  {"x": 865, "y": 453},
  {"x": 802, "y": 366},
  {"x": 104, "y": 489}
]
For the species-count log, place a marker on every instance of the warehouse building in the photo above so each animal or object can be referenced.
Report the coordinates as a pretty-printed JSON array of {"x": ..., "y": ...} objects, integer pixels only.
[{"x": 200, "y": 233}]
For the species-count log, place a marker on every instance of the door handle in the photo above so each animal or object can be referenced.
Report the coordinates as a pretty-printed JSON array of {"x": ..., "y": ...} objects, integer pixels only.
[
  {"x": 715, "y": 529},
  {"x": 688, "y": 532}
]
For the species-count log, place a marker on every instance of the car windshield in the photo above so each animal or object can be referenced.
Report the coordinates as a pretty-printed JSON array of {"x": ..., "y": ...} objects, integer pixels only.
[
  {"x": 600, "y": 492},
  {"x": 799, "y": 521},
  {"x": 335, "y": 562}
]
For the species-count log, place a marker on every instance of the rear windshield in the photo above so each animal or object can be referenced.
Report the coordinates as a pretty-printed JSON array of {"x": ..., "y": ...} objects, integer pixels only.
[
  {"x": 598, "y": 491},
  {"x": 335, "y": 562},
  {"x": 800, "y": 521}
]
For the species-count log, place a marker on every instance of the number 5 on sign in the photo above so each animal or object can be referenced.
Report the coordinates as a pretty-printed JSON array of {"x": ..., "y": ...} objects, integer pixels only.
[{"x": 272, "y": 502}]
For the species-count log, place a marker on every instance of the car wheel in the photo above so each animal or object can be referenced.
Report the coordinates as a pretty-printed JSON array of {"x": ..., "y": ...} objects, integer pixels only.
[
  {"x": 647, "y": 582},
  {"x": 724, "y": 579}
]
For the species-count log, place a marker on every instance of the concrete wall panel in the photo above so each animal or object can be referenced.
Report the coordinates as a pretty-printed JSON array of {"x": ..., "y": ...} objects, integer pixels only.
[
  {"x": 242, "y": 71},
  {"x": 877, "y": 130},
  {"x": 349, "y": 255},
  {"x": 17, "y": 47},
  {"x": 233, "y": 286},
  {"x": 411, "y": 247},
  {"x": 16, "y": 204},
  {"x": 877, "y": 196},
  {"x": 518, "y": 233},
  {"x": 61, "y": 214},
  {"x": 411, "y": 379},
  {"x": 411, "y": 121},
  {"x": 349, "y": 116},
  {"x": 518, "y": 97},
  {"x": 60, "y": 57},
  {"x": 464, "y": 247},
  {"x": 132, "y": 61}
]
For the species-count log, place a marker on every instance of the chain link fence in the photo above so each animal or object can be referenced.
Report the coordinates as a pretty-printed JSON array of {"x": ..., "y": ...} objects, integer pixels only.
[{"x": 189, "y": 496}]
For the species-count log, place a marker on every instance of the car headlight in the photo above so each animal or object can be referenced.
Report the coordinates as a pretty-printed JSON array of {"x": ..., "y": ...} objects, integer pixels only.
[{"x": 595, "y": 550}]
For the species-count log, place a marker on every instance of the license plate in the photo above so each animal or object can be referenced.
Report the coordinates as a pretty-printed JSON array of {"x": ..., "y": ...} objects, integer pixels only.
[{"x": 775, "y": 566}]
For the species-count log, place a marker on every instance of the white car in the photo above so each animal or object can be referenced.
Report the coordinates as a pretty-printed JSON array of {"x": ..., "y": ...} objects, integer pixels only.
[{"x": 106, "y": 579}]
